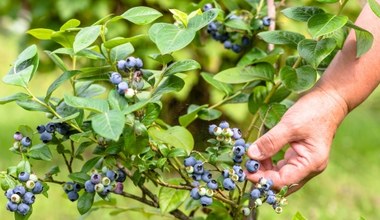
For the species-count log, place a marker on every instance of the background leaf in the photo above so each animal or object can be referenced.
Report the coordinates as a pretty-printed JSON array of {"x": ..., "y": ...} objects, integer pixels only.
[
  {"x": 301, "y": 13},
  {"x": 177, "y": 136},
  {"x": 242, "y": 74},
  {"x": 85, "y": 202},
  {"x": 299, "y": 79},
  {"x": 171, "y": 199},
  {"x": 85, "y": 37},
  {"x": 281, "y": 37},
  {"x": 109, "y": 124},
  {"x": 315, "y": 51},
  {"x": 97, "y": 105},
  {"x": 141, "y": 15},
  {"x": 322, "y": 24}
]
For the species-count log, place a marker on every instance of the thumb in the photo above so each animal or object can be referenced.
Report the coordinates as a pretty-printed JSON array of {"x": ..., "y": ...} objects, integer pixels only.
[{"x": 270, "y": 143}]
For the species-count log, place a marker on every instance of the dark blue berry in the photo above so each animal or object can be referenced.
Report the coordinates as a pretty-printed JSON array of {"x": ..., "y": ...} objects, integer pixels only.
[
  {"x": 121, "y": 87},
  {"x": 197, "y": 177},
  {"x": 23, "y": 176},
  {"x": 50, "y": 127},
  {"x": 212, "y": 185},
  {"x": 226, "y": 173},
  {"x": 121, "y": 175},
  {"x": 38, "y": 188},
  {"x": 9, "y": 193},
  {"x": 198, "y": 168},
  {"x": 130, "y": 62},
  {"x": 116, "y": 78},
  {"x": 12, "y": 206},
  {"x": 89, "y": 186},
  {"x": 19, "y": 190},
  {"x": 73, "y": 196},
  {"x": 245, "y": 41},
  {"x": 239, "y": 150},
  {"x": 17, "y": 136},
  {"x": 252, "y": 166},
  {"x": 236, "y": 48},
  {"x": 236, "y": 134},
  {"x": 237, "y": 159},
  {"x": 96, "y": 178},
  {"x": 228, "y": 184},
  {"x": 194, "y": 193},
  {"x": 207, "y": 7},
  {"x": 227, "y": 44},
  {"x": 63, "y": 128},
  {"x": 266, "y": 21},
  {"x": 206, "y": 176},
  {"x": 195, "y": 184},
  {"x": 238, "y": 170},
  {"x": 242, "y": 177},
  {"x": 121, "y": 64},
  {"x": 111, "y": 175},
  {"x": 26, "y": 141},
  {"x": 271, "y": 199},
  {"x": 206, "y": 201},
  {"x": 29, "y": 198},
  {"x": 224, "y": 124},
  {"x": 190, "y": 161},
  {"x": 45, "y": 137},
  {"x": 211, "y": 129},
  {"x": 139, "y": 63},
  {"x": 240, "y": 142},
  {"x": 40, "y": 129},
  {"x": 255, "y": 194},
  {"x": 212, "y": 26},
  {"x": 23, "y": 209}
]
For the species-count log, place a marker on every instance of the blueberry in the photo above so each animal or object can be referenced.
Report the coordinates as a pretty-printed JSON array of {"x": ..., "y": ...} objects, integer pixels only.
[
  {"x": 119, "y": 188},
  {"x": 226, "y": 173},
  {"x": 245, "y": 41},
  {"x": 194, "y": 193},
  {"x": 63, "y": 128},
  {"x": 26, "y": 141},
  {"x": 33, "y": 177},
  {"x": 207, "y": 7},
  {"x": 30, "y": 184},
  {"x": 242, "y": 178},
  {"x": 116, "y": 78},
  {"x": 197, "y": 177},
  {"x": 23, "y": 176},
  {"x": 238, "y": 170},
  {"x": 228, "y": 184},
  {"x": 121, "y": 87},
  {"x": 106, "y": 181},
  {"x": 23, "y": 209},
  {"x": 195, "y": 184},
  {"x": 206, "y": 201},
  {"x": 198, "y": 168},
  {"x": 246, "y": 211},
  {"x": 15, "y": 198},
  {"x": 121, "y": 64},
  {"x": 19, "y": 190},
  {"x": 190, "y": 161},
  {"x": 212, "y": 185},
  {"x": 41, "y": 129},
  {"x": 130, "y": 62},
  {"x": 236, "y": 133},
  {"x": 212, "y": 26},
  {"x": 271, "y": 200},
  {"x": 224, "y": 124},
  {"x": 139, "y": 63},
  {"x": 211, "y": 128},
  {"x": 111, "y": 175},
  {"x": 89, "y": 186},
  {"x": 270, "y": 193},
  {"x": 38, "y": 188},
  {"x": 73, "y": 196},
  {"x": 266, "y": 21},
  {"x": 227, "y": 44},
  {"x": 121, "y": 175},
  {"x": 236, "y": 48},
  {"x": 218, "y": 131},
  {"x": 45, "y": 137},
  {"x": 68, "y": 187},
  {"x": 237, "y": 159},
  {"x": 50, "y": 127},
  {"x": 240, "y": 142},
  {"x": 9, "y": 193},
  {"x": 206, "y": 176},
  {"x": 255, "y": 194},
  {"x": 239, "y": 150},
  {"x": 11, "y": 206},
  {"x": 252, "y": 166},
  {"x": 99, "y": 187},
  {"x": 17, "y": 136},
  {"x": 29, "y": 198}
]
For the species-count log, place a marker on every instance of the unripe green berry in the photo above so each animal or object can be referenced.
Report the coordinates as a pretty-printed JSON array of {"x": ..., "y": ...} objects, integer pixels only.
[
  {"x": 190, "y": 169},
  {"x": 246, "y": 211},
  {"x": 217, "y": 131},
  {"x": 106, "y": 181},
  {"x": 283, "y": 201},
  {"x": 202, "y": 191},
  {"x": 209, "y": 192},
  {"x": 278, "y": 209},
  {"x": 227, "y": 132},
  {"x": 99, "y": 187},
  {"x": 15, "y": 198},
  {"x": 258, "y": 202},
  {"x": 220, "y": 138},
  {"x": 33, "y": 177},
  {"x": 129, "y": 93},
  {"x": 30, "y": 184},
  {"x": 235, "y": 177}
]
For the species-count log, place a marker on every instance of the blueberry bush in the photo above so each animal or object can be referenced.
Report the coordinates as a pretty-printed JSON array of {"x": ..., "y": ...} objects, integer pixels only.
[{"x": 108, "y": 126}]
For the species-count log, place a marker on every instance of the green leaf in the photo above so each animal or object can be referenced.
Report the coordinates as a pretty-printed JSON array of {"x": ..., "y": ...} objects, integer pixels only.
[
  {"x": 85, "y": 202},
  {"x": 271, "y": 114},
  {"x": 141, "y": 15},
  {"x": 171, "y": 84},
  {"x": 92, "y": 91},
  {"x": 199, "y": 21},
  {"x": 23, "y": 166},
  {"x": 59, "y": 81},
  {"x": 26, "y": 130},
  {"x": 85, "y": 37},
  {"x": 298, "y": 216},
  {"x": 182, "y": 66},
  {"x": 299, "y": 79},
  {"x": 256, "y": 99},
  {"x": 179, "y": 16},
  {"x": 238, "y": 23},
  {"x": 136, "y": 143},
  {"x": 171, "y": 199},
  {"x": 328, "y": 1},
  {"x": 121, "y": 52},
  {"x": 192, "y": 114},
  {"x": 178, "y": 137},
  {"x": 364, "y": 39},
  {"x": 40, "y": 152},
  {"x": 243, "y": 74},
  {"x": 282, "y": 37},
  {"x": 72, "y": 23},
  {"x": 79, "y": 177},
  {"x": 322, "y": 24},
  {"x": 64, "y": 38},
  {"x": 90, "y": 164},
  {"x": 15, "y": 97},
  {"x": 315, "y": 51},
  {"x": 209, "y": 114},
  {"x": 57, "y": 61},
  {"x": 169, "y": 37},
  {"x": 250, "y": 56},
  {"x": 20, "y": 78},
  {"x": 96, "y": 105},
  {"x": 375, "y": 6},
  {"x": 163, "y": 59},
  {"x": 32, "y": 105},
  {"x": 109, "y": 124},
  {"x": 301, "y": 13},
  {"x": 152, "y": 111},
  {"x": 6, "y": 181},
  {"x": 121, "y": 40},
  {"x": 223, "y": 87},
  {"x": 41, "y": 33},
  {"x": 116, "y": 101}
]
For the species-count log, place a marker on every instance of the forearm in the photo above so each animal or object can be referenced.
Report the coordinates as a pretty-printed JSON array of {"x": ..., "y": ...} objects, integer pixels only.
[{"x": 348, "y": 79}]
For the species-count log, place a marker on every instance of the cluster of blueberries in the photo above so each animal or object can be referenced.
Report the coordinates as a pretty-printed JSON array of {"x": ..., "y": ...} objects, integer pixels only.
[
  {"x": 233, "y": 40},
  {"x": 47, "y": 131},
  {"x": 131, "y": 67},
  {"x": 20, "y": 139},
  {"x": 21, "y": 198},
  {"x": 106, "y": 182}
]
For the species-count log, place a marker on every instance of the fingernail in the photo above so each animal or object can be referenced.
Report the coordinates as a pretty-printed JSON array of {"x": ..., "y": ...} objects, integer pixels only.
[{"x": 254, "y": 151}]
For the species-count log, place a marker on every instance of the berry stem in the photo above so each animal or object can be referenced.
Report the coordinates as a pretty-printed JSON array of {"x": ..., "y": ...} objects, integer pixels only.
[{"x": 259, "y": 7}]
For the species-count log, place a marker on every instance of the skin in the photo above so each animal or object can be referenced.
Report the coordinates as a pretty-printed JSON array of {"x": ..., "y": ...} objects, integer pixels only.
[{"x": 308, "y": 127}]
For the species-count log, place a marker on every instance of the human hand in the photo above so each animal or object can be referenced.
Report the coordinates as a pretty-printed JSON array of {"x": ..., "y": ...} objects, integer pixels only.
[{"x": 308, "y": 127}]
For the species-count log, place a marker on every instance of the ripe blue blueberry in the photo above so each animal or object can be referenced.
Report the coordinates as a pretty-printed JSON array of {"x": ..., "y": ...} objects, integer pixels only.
[
  {"x": 139, "y": 63},
  {"x": 211, "y": 129},
  {"x": 119, "y": 188},
  {"x": 227, "y": 44},
  {"x": 266, "y": 21},
  {"x": 236, "y": 133},
  {"x": 121, "y": 87},
  {"x": 225, "y": 173},
  {"x": 9, "y": 193},
  {"x": 212, "y": 185},
  {"x": 96, "y": 178},
  {"x": 23, "y": 209},
  {"x": 271, "y": 199},
  {"x": 255, "y": 194},
  {"x": 245, "y": 41},
  {"x": 238, "y": 170},
  {"x": 40, "y": 129},
  {"x": 212, "y": 26},
  {"x": 121, "y": 64},
  {"x": 228, "y": 184},
  {"x": 237, "y": 159},
  {"x": 240, "y": 142},
  {"x": 89, "y": 186},
  {"x": 26, "y": 141},
  {"x": 195, "y": 184},
  {"x": 111, "y": 175},
  {"x": 194, "y": 193},
  {"x": 63, "y": 128},
  {"x": 252, "y": 166},
  {"x": 207, "y": 7},
  {"x": 12, "y": 206},
  {"x": 17, "y": 136},
  {"x": 19, "y": 190},
  {"x": 29, "y": 198},
  {"x": 206, "y": 201},
  {"x": 38, "y": 188},
  {"x": 121, "y": 175},
  {"x": 206, "y": 176},
  {"x": 236, "y": 48},
  {"x": 198, "y": 168},
  {"x": 45, "y": 137},
  {"x": 73, "y": 196},
  {"x": 23, "y": 176},
  {"x": 239, "y": 150},
  {"x": 50, "y": 127},
  {"x": 116, "y": 78},
  {"x": 190, "y": 161},
  {"x": 242, "y": 177},
  {"x": 224, "y": 124},
  {"x": 197, "y": 177},
  {"x": 130, "y": 62},
  {"x": 270, "y": 193}
]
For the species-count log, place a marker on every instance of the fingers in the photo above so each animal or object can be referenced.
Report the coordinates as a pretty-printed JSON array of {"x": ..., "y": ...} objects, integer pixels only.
[{"x": 270, "y": 143}]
